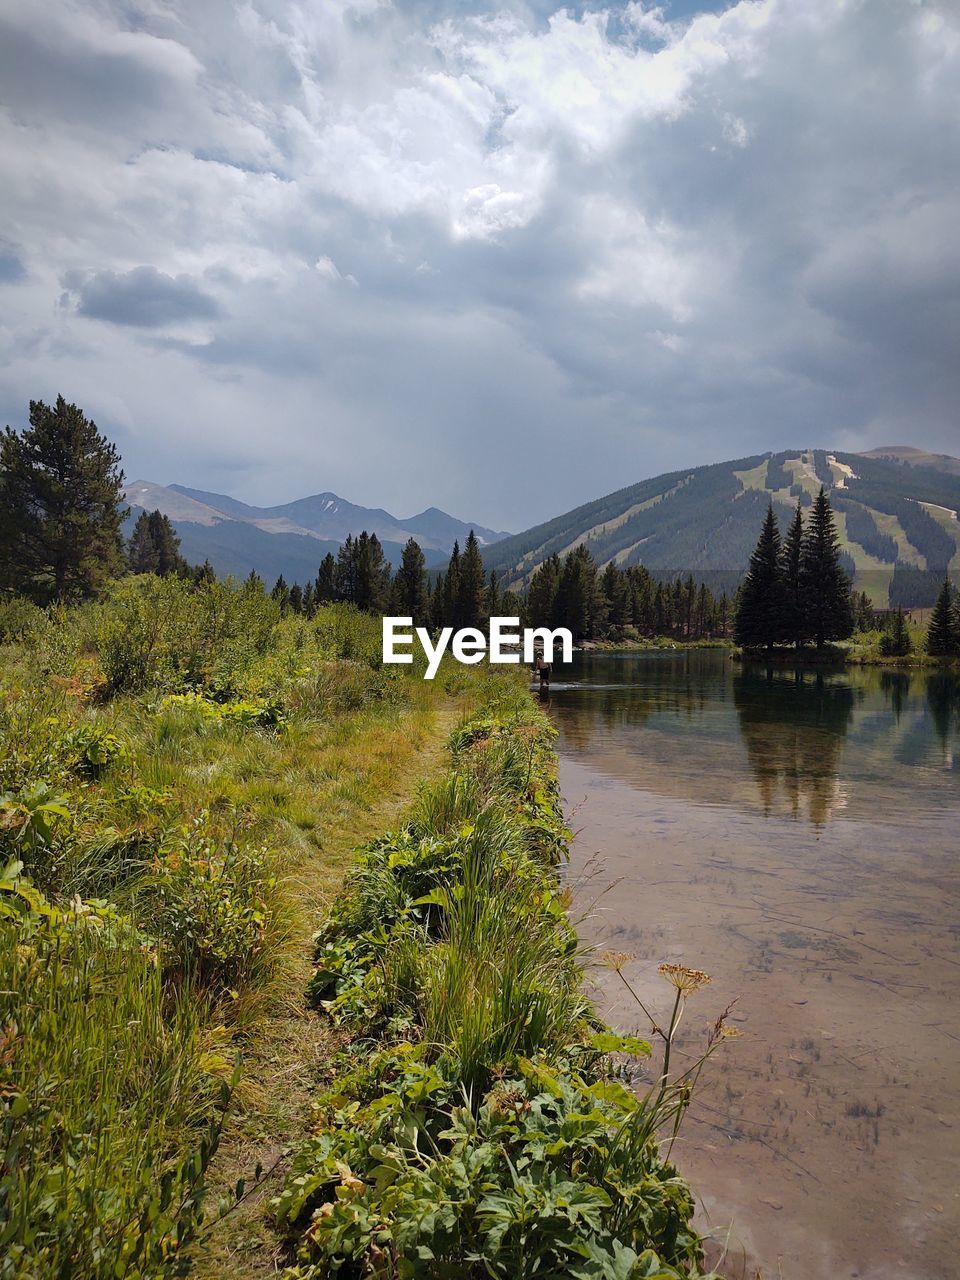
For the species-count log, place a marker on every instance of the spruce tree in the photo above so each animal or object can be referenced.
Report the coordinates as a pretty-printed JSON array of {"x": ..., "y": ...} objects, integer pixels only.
[
  {"x": 280, "y": 592},
  {"x": 325, "y": 587},
  {"x": 167, "y": 544},
  {"x": 542, "y": 596},
  {"x": 295, "y": 598},
  {"x": 473, "y": 588},
  {"x": 142, "y": 555},
  {"x": 579, "y": 601},
  {"x": 410, "y": 594},
  {"x": 450, "y": 595},
  {"x": 825, "y": 593},
  {"x": 345, "y": 577},
  {"x": 762, "y": 608},
  {"x": 896, "y": 642},
  {"x": 493, "y": 596},
  {"x": 204, "y": 574},
  {"x": 61, "y": 490},
  {"x": 372, "y": 574},
  {"x": 154, "y": 546},
  {"x": 943, "y": 631},
  {"x": 792, "y": 578}
]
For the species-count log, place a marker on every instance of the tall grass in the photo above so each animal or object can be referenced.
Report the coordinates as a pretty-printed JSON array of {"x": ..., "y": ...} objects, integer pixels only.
[
  {"x": 111, "y": 1088},
  {"x": 181, "y": 753}
]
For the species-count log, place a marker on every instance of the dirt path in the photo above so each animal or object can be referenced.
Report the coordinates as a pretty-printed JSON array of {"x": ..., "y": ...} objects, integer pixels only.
[{"x": 290, "y": 1047}]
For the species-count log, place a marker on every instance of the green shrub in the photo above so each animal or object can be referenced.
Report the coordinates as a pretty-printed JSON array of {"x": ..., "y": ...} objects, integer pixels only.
[
  {"x": 20, "y": 619},
  {"x": 91, "y": 750},
  {"x": 208, "y": 902},
  {"x": 110, "y": 1102}
]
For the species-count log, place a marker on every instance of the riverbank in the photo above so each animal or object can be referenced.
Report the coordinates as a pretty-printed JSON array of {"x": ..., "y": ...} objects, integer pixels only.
[
  {"x": 650, "y": 644},
  {"x": 479, "y": 1122}
]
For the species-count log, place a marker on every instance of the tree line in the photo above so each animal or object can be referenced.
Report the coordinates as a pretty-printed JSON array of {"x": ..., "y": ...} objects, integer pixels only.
[{"x": 61, "y": 539}]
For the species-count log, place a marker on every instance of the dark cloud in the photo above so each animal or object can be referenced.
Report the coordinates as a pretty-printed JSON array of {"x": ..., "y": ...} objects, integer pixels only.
[
  {"x": 400, "y": 247},
  {"x": 12, "y": 269},
  {"x": 143, "y": 297}
]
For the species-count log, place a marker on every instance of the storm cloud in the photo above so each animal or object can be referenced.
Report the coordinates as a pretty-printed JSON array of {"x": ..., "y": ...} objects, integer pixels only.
[
  {"x": 143, "y": 297},
  {"x": 501, "y": 258}
]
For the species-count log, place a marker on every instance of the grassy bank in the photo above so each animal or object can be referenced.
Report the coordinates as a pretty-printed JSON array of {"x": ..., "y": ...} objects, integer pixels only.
[
  {"x": 652, "y": 644},
  {"x": 480, "y": 1121},
  {"x": 182, "y": 772}
]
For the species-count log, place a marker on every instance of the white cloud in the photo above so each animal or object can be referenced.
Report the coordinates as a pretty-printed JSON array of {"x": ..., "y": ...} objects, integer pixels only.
[{"x": 678, "y": 240}]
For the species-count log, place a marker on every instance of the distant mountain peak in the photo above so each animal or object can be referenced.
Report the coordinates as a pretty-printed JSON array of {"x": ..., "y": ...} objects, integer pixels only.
[{"x": 309, "y": 527}]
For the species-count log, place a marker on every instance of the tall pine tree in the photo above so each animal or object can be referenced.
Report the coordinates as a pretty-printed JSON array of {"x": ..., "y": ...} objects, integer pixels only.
[
  {"x": 943, "y": 631},
  {"x": 61, "y": 491},
  {"x": 794, "y": 630},
  {"x": 411, "y": 598},
  {"x": 762, "y": 607},
  {"x": 542, "y": 596},
  {"x": 154, "y": 546},
  {"x": 825, "y": 589},
  {"x": 471, "y": 605}
]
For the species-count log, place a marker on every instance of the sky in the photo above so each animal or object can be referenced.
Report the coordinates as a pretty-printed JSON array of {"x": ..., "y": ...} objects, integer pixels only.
[{"x": 501, "y": 258}]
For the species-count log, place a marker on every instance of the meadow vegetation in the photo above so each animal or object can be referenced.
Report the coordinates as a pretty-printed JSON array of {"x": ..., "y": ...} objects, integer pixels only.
[{"x": 172, "y": 756}]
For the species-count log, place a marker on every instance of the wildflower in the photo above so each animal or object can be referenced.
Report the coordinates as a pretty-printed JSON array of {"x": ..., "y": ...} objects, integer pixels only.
[
  {"x": 615, "y": 960},
  {"x": 685, "y": 980}
]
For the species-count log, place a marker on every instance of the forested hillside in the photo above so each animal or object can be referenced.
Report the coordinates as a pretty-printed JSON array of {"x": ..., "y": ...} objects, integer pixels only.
[{"x": 897, "y": 521}]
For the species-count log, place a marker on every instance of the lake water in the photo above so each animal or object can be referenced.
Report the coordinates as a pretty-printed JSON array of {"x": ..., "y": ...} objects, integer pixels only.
[{"x": 796, "y": 835}]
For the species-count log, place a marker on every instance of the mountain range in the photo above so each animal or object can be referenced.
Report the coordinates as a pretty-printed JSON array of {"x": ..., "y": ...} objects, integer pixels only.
[
  {"x": 896, "y": 510},
  {"x": 292, "y": 538}
]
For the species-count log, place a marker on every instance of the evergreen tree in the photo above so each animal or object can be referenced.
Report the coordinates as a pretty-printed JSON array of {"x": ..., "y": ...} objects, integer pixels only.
[
  {"x": 792, "y": 577},
  {"x": 824, "y": 587},
  {"x": 142, "y": 554},
  {"x": 253, "y": 583},
  {"x": 204, "y": 574},
  {"x": 471, "y": 602},
  {"x": 450, "y": 593},
  {"x": 542, "y": 596},
  {"x": 410, "y": 594},
  {"x": 438, "y": 600},
  {"x": 154, "y": 546},
  {"x": 295, "y": 598},
  {"x": 493, "y": 596},
  {"x": 762, "y": 608},
  {"x": 866, "y": 619},
  {"x": 280, "y": 592},
  {"x": 943, "y": 631},
  {"x": 579, "y": 601},
  {"x": 325, "y": 587},
  {"x": 345, "y": 575},
  {"x": 896, "y": 642},
  {"x": 371, "y": 589},
  {"x": 309, "y": 601},
  {"x": 61, "y": 489},
  {"x": 169, "y": 559}
]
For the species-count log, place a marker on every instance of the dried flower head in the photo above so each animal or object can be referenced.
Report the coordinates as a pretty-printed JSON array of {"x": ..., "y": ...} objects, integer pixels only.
[
  {"x": 685, "y": 980},
  {"x": 615, "y": 960}
]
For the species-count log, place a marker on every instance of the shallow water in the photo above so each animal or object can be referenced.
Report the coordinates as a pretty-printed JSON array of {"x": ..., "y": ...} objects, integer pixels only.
[{"x": 795, "y": 834}]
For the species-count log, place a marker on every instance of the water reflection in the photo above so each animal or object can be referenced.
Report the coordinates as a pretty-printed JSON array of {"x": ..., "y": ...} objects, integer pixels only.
[
  {"x": 807, "y": 744},
  {"x": 793, "y": 834},
  {"x": 793, "y": 725}
]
